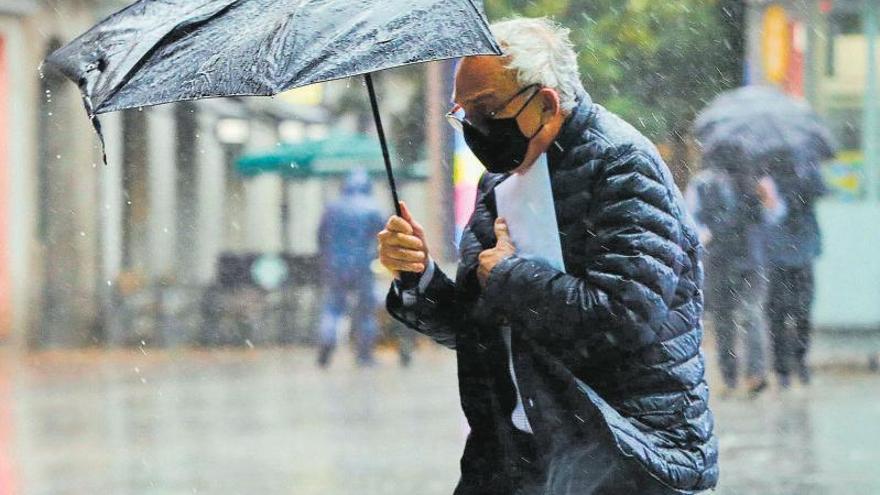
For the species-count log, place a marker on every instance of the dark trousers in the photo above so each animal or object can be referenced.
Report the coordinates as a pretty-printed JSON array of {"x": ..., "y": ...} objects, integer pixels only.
[
  {"x": 362, "y": 310},
  {"x": 790, "y": 300},
  {"x": 738, "y": 312}
]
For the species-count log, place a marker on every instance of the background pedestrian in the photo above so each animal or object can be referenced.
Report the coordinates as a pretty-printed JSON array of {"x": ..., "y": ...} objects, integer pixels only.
[
  {"x": 795, "y": 243},
  {"x": 734, "y": 210},
  {"x": 347, "y": 239}
]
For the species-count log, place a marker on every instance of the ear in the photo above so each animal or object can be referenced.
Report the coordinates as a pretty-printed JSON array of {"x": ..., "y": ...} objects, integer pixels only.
[{"x": 551, "y": 102}]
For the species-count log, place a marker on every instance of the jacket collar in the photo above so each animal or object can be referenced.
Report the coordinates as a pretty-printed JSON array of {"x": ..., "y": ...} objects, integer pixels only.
[{"x": 572, "y": 130}]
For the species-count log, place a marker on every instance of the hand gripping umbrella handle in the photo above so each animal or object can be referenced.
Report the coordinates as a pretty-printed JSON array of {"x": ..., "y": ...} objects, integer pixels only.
[{"x": 407, "y": 280}]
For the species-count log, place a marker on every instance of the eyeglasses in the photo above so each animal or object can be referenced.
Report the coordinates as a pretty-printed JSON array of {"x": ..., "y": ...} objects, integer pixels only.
[{"x": 458, "y": 119}]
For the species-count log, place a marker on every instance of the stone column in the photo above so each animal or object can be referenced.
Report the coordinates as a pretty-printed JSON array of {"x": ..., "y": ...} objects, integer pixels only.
[
  {"x": 263, "y": 219},
  {"x": 111, "y": 198},
  {"x": 211, "y": 188},
  {"x": 22, "y": 252},
  {"x": 306, "y": 205},
  {"x": 440, "y": 220},
  {"x": 162, "y": 187},
  {"x": 110, "y": 218},
  {"x": 263, "y": 197}
]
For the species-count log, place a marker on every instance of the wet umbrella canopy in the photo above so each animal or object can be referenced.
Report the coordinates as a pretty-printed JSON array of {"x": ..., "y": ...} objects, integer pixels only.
[
  {"x": 161, "y": 52},
  {"x": 755, "y": 123}
]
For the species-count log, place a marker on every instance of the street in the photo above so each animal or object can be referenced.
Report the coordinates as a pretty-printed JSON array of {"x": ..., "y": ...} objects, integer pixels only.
[
  {"x": 268, "y": 422},
  {"x": 196, "y": 215}
]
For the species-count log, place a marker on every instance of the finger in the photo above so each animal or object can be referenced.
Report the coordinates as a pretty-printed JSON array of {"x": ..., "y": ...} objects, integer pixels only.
[
  {"x": 404, "y": 212},
  {"x": 405, "y": 255},
  {"x": 401, "y": 266},
  {"x": 407, "y": 215},
  {"x": 398, "y": 224},
  {"x": 502, "y": 233},
  {"x": 393, "y": 239},
  {"x": 418, "y": 230},
  {"x": 397, "y": 268}
]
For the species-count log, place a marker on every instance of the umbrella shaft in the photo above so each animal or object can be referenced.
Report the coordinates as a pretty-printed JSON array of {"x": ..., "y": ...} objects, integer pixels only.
[{"x": 381, "y": 130}]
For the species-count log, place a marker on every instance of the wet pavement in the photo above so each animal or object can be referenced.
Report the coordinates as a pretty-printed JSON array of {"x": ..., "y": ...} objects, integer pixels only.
[
  {"x": 824, "y": 439},
  {"x": 268, "y": 422}
]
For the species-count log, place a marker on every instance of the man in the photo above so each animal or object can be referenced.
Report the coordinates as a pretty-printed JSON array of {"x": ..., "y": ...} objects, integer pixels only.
[
  {"x": 734, "y": 210},
  {"x": 584, "y": 382},
  {"x": 345, "y": 237},
  {"x": 795, "y": 243}
]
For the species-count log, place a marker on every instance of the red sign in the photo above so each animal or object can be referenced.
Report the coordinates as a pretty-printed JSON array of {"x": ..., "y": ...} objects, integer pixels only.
[{"x": 794, "y": 77}]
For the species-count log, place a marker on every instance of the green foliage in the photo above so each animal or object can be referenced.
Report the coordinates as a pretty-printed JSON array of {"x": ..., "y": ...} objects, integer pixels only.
[{"x": 656, "y": 63}]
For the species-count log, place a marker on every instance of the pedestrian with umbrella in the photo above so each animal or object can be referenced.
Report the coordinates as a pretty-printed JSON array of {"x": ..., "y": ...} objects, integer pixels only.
[
  {"x": 795, "y": 243},
  {"x": 734, "y": 210},
  {"x": 599, "y": 386},
  {"x": 760, "y": 131},
  {"x": 583, "y": 381}
]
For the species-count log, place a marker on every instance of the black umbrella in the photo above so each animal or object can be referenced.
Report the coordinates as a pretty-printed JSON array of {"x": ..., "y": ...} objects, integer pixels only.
[
  {"x": 155, "y": 52},
  {"x": 755, "y": 124}
]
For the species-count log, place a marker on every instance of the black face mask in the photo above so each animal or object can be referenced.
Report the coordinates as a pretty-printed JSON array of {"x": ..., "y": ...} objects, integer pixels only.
[{"x": 501, "y": 146}]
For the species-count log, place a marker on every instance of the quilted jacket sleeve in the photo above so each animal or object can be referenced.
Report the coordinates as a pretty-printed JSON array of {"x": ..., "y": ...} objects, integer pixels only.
[
  {"x": 634, "y": 260},
  {"x": 429, "y": 311}
]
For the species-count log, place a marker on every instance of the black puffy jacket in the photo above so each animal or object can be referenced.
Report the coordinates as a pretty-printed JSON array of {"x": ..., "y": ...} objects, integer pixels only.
[{"x": 615, "y": 340}]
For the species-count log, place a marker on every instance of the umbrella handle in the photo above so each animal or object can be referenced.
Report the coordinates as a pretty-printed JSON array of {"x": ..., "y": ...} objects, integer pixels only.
[
  {"x": 408, "y": 280},
  {"x": 374, "y": 103}
]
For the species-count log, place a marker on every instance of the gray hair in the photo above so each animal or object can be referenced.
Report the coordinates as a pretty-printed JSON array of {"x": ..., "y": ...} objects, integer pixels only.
[{"x": 540, "y": 52}]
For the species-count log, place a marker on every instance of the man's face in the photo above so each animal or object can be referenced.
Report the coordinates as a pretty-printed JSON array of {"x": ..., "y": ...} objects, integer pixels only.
[{"x": 484, "y": 87}]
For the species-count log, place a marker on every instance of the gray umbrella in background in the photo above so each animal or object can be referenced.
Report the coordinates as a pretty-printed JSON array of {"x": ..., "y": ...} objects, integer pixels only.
[
  {"x": 753, "y": 125},
  {"x": 155, "y": 52}
]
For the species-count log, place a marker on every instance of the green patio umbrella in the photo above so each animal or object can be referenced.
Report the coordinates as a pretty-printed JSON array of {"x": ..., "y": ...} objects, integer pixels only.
[{"x": 331, "y": 156}]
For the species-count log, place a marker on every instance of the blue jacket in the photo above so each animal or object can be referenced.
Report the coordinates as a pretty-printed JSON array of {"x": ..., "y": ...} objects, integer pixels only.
[
  {"x": 608, "y": 352},
  {"x": 347, "y": 234},
  {"x": 726, "y": 205},
  {"x": 796, "y": 241}
]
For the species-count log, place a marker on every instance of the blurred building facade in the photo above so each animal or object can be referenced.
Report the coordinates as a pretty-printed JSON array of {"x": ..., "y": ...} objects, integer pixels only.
[
  {"x": 81, "y": 241},
  {"x": 36, "y": 246},
  {"x": 826, "y": 52}
]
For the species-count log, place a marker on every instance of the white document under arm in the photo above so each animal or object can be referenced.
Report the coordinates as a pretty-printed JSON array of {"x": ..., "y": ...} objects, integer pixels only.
[{"x": 526, "y": 202}]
